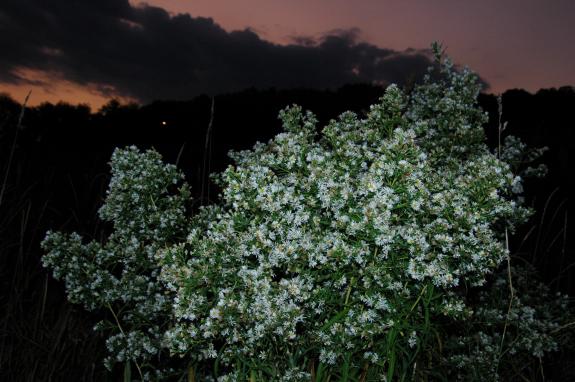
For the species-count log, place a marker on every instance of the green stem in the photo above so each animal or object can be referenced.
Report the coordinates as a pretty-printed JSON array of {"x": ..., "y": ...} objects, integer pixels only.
[
  {"x": 416, "y": 301},
  {"x": 349, "y": 290},
  {"x": 122, "y": 331}
]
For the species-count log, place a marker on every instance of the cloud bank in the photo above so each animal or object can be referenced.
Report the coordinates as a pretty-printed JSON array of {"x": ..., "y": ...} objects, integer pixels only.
[{"x": 146, "y": 53}]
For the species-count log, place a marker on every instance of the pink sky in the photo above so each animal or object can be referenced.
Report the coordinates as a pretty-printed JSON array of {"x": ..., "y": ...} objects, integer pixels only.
[{"x": 512, "y": 44}]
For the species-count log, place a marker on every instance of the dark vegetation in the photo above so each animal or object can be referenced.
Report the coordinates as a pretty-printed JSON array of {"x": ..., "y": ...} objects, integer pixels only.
[{"x": 54, "y": 173}]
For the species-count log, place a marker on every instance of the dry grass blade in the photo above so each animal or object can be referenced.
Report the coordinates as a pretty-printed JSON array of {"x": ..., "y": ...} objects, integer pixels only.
[
  {"x": 205, "y": 192},
  {"x": 13, "y": 148}
]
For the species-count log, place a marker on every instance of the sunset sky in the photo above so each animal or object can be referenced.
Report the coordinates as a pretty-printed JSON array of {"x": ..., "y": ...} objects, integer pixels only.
[{"x": 86, "y": 51}]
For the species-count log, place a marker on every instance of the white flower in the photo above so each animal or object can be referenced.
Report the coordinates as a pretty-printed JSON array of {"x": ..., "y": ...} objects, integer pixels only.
[{"x": 216, "y": 313}]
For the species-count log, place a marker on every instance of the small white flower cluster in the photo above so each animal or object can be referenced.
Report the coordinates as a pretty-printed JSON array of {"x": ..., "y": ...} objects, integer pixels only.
[
  {"x": 121, "y": 275},
  {"x": 132, "y": 346},
  {"x": 521, "y": 158}
]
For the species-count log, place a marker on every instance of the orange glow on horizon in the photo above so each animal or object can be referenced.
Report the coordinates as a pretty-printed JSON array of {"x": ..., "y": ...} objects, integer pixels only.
[{"x": 50, "y": 87}]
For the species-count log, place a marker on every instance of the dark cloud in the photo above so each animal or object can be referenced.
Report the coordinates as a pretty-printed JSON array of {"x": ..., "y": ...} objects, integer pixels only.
[{"x": 145, "y": 53}]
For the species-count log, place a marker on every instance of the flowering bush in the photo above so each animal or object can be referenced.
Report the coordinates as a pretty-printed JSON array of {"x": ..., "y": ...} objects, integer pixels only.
[
  {"x": 121, "y": 275},
  {"x": 508, "y": 335},
  {"x": 342, "y": 254}
]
